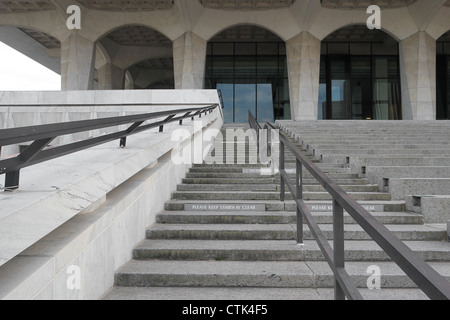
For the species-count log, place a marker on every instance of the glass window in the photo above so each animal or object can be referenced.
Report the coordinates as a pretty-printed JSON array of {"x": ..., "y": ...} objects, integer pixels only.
[
  {"x": 267, "y": 66},
  {"x": 223, "y": 67},
  {"x": 245, "y": 100},
  {"x": 360, "y": 49},
  {"x": 228, "y": 100},
  {"x": 245, "y": 49},
  {"x": 388, "y": 48},
  {"x": 265, "y": 102},
  {"x": 447, "y": 47},
  {"x": 338, "y": 68},
  {"x": 282, "y": 49},
  {"x": 223, "y": 49},
  {"x": 380, "y": 68},
  {"x": 361, "y": 67},
  {"x": 251, "y": 76},
  {"x": 268, "y": 49},
  {"x": 338, "y": 99},
  {"x": 338, "y": 48},
  {"x": 245, "y": 65},
  {"x": 448, "y": 87}
]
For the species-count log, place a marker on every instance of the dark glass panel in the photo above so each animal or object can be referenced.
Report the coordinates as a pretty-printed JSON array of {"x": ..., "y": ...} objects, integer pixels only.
[
  {"x": 223, "y": 49},
  {"x": 360, "y": 49},
  {"x": 361, "y": 67},
  {"x": 228, "y": 100},
  {"x": 267, "y": 49},
  {"x": 245, "y": 99},
  {"x": 338, "y": 48},
  {"x": 265, "y": 98},
  {"x": 245, "y": 49},
  {"x": 245, "y": 65}
]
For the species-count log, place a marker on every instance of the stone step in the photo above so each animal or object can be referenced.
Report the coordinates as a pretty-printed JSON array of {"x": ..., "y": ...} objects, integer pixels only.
[
  {"x": 255, "y": 175},
  {"x": 269, "y": 187},
  {"x": 321, "y": 206},
  {"x": 266, "y": 274},
  {"x": 264, "y": 179},
  {"x": 274, "y": 217},
  {"x": 237, "y": 169},
  {"x": 276, "y": 250},
  {"x": 283, "y": 232},
  {"x": 380, "y": 146},
  {"x": 260, "y": 195},
  {"x": 224, "y": 165},
  {"x": 262, "y": 294},
  {"x": 413, "y": 152}
]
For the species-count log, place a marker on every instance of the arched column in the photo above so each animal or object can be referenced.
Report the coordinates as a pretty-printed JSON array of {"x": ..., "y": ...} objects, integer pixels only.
[
  {"x": 303, "y": 56},
  {"x": 189, "y": 55},
  {"x": 418, "y": 76},
  {"x": 77, "y": 63}
]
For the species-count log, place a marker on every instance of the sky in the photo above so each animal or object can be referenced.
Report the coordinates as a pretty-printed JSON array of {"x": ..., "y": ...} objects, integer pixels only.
[{"x": 20, "y": 73}]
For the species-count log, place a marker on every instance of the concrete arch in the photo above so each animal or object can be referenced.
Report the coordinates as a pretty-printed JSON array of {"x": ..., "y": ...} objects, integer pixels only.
[
  {"x": 98, "y": 24},
  {"x": 46, "y": 22},
  {"x": 282, "y": 23},
  {"x": 45, "y": 51},
  {"x": 387, "y": 32},
  {"x": 244, "y": 24},
  {"x": 398, "y": 23},
  {"x": 102, "y": 56},
  {"x": 134, "y": 57},
  {"x": 130, "y": 25},
  {"x": 362, "y": 24},
  {"x": 440, "y": 24}
]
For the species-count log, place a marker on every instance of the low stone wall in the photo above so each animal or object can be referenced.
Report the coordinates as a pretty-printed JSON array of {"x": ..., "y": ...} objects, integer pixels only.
[
  {"x": 22, "y": 109},
  {"x": 434, "y": 208},
  {"x": 75, "y": 219}
]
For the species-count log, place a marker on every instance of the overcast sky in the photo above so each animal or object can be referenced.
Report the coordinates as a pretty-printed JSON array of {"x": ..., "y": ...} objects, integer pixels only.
[{"x": 20, "y": 73}]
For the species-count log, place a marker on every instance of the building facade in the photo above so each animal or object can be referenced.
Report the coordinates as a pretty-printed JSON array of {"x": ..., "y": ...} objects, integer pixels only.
[{"x": 280, "y": 59}]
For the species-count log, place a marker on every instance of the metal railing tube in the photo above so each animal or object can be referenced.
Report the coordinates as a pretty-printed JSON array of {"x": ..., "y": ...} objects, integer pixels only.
[
  {"x": 42, "y": 135},
  {"x": 421, "y": 273}
]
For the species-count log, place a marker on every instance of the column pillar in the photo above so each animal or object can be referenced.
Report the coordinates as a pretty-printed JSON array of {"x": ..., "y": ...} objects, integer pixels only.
[
  {"x": 111, "y": 77},
  {"x": 418, "y": 77},
  {"x": 77, "y": 63},
  {"x": 189, "y": 55},
  {"x": 303, "y": 56}
]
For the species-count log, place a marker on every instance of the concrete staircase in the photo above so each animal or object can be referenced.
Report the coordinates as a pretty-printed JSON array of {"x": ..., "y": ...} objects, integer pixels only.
[{"x": 226, "y": 235}]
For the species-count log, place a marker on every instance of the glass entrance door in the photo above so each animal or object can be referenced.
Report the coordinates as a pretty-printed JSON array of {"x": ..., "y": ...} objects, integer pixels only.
[
  {"x": 252, "y": 77},
  {"x": 360, "y": 88}
]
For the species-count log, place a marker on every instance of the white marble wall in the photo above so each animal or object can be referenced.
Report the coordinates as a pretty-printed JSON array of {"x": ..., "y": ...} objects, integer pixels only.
[
  {"x": 418, "y": 77},
  {"x": 55, "y": 216},
  {"x": 20, "y": 109}
]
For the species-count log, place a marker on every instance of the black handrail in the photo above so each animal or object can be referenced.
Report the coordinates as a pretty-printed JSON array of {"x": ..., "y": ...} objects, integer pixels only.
[
  {"x": 424, "y": 276},
  {"x": 43, "y": 135}
]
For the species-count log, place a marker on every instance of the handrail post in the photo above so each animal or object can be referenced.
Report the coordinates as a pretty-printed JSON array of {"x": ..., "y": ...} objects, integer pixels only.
[
  {"x": 338, "y": 246},
  {"x": 299, "y": 194},
  {"x": 12, "y": 180},
  {"x": 282, "y": 195}
]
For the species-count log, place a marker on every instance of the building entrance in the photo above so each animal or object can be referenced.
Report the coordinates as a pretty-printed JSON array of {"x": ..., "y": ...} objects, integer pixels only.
[
  {"x": 359, "y": 76},
  {"x": 248, "y": 65}
]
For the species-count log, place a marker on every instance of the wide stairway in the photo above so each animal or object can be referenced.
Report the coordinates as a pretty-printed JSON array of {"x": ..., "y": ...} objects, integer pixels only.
[{"x": 225, "y": 235}]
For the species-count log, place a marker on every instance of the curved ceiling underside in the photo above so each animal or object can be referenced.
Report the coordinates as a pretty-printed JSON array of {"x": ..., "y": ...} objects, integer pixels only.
[{"x": 154, "y": 5}]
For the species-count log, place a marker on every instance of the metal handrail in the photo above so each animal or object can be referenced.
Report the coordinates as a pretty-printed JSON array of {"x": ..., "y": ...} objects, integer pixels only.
[
  {"x": 421, "y": 273},
  {"x": 43, "y": 135}
]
